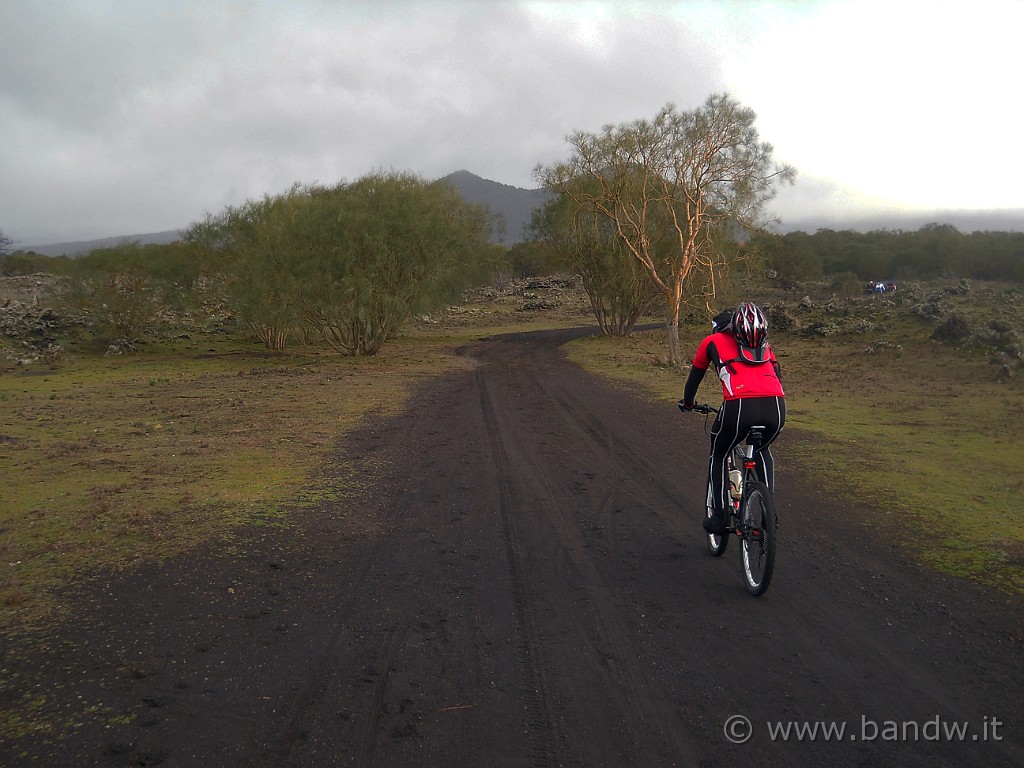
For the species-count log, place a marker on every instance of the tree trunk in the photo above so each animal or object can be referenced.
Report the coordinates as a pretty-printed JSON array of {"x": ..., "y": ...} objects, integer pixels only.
[
  {"x": 675, "y": 301},
  {"x": 675, "y": 353}
]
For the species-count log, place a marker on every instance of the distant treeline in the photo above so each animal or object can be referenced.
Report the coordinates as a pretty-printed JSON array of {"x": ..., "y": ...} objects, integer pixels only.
[
  {"x": 935, "y": 250},
  {"x": 173, "y": 261}
]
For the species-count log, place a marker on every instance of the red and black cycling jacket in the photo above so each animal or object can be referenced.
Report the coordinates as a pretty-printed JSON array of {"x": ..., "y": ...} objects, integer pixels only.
[{"x": 740, "y": 377}]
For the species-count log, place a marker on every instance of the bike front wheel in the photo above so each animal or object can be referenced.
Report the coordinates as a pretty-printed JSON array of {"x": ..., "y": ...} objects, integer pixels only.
[
  {"x": 759, "y": 526},
  {"x": 716, "y": 542}
]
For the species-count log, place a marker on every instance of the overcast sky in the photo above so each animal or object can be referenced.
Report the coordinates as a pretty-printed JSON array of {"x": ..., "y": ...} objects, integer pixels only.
[{"x": 127, "y": 116}]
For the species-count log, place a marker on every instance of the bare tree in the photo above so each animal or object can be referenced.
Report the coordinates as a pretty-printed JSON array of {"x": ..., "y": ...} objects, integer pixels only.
[
  {"x": 673, "y": 186},
  {"x": 5, "y": 244}
]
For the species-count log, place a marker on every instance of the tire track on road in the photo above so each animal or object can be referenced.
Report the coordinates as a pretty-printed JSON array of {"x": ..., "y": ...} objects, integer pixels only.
[
  {"x": 574, "y": 548},
  {"x": 544, "y": 749}
]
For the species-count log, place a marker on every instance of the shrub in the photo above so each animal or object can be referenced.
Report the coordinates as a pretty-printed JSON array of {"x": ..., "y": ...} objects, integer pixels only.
[{"x": 952, "y": 331}]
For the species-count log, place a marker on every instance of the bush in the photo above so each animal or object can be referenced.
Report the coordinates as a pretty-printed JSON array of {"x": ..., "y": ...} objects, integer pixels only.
[
  {"x": 124, "y": 303},
  {"x": 352, "y": 261},
  {"x": 952, "y": 331}
]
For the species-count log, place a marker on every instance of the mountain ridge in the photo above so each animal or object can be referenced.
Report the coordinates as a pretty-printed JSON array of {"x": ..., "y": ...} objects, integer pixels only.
[
  {"x": 81, "y": 247},
  {"x": 514, "y": 207}
]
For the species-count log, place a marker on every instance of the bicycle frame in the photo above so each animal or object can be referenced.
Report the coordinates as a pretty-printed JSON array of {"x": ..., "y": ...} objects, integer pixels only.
[{"x": 745, "y": 459}]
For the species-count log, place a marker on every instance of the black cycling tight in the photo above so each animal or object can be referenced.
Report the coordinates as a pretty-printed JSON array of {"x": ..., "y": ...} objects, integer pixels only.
[{"x": 735, "y": 418}]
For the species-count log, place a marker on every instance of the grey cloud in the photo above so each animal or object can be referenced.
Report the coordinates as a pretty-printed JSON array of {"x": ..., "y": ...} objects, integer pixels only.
[{"x": 150, "y": 115}]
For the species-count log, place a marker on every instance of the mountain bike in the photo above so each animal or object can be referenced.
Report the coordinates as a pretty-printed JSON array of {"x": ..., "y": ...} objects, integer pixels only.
[{"x": 750, "y": 513}]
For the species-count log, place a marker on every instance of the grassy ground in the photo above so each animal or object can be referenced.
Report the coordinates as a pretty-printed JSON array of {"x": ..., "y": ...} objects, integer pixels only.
[
  {"x": 109, "y": 461},
  {"x": 928, "y": 434}
]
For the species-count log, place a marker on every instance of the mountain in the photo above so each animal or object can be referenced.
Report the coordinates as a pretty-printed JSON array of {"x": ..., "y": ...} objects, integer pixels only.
[
  {"x": 84, "y": 246},
  {"x": 1001, "y": 220},
  {"x": 513, "y": 206}
]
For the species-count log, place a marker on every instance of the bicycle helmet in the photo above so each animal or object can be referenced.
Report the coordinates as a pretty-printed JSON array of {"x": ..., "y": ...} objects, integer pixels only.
[{"x": 750, "y": 327}]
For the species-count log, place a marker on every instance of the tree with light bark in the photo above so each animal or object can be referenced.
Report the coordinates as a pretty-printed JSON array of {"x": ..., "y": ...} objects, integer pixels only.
[{"x": 673, "y": 188}]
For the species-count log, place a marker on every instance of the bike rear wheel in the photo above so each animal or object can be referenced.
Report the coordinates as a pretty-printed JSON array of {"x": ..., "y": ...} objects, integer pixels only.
[{"x": 759, "y": 526}]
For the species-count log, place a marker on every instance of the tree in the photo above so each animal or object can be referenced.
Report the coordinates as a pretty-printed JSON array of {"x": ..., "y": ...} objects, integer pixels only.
[
  {"x": 689, "y": 175},
  {"x": 5, "y": 244},
  {"x": 946, "y": 246},
  {"x": 616, "y": 285},
  {"x": 790, "y": 257},
  {"x": 532, "y": 258},
  {"x": 255, "y": 245},
  {"x": 389, "y": 246},
  {"x": 352, "y": 261}
]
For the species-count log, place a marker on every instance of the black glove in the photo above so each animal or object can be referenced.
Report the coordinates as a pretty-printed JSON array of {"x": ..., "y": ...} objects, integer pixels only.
[{"x": 684, "y": 406}]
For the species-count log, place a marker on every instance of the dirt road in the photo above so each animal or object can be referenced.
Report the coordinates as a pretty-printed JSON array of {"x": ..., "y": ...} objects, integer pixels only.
[{"x": 526, "y": 584}]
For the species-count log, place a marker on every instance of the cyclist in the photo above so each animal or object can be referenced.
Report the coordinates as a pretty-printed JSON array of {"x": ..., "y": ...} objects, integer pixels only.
[{"x": 752, "y": 391}]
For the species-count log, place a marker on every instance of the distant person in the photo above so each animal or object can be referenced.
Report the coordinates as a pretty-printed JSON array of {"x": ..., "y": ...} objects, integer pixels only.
[{"x": 752, "y": 393}]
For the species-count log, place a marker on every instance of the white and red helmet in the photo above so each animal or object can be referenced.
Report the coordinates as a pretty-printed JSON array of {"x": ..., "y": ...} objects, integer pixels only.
[{"x": 750, "y": 327}]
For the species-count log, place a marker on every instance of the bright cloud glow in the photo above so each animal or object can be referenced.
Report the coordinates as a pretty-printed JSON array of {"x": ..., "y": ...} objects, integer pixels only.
[{"x": 910, "y": 102}]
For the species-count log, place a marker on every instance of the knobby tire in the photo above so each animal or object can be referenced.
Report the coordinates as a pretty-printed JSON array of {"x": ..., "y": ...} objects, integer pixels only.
[{"x": 758, "y": 552}]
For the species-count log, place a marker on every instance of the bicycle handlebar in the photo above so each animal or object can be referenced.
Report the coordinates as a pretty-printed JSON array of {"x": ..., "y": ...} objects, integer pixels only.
[{"x": 699, "y": 408}]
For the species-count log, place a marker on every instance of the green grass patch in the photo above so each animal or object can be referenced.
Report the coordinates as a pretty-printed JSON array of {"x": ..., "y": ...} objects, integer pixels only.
[{"x": 110, "y": 461}]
